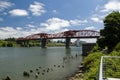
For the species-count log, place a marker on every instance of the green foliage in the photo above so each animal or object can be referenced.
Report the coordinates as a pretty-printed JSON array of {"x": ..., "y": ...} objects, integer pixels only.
[
  {"x": 4, "y": 44},
  {"x": 8, "y": 44},
  {"x": 111, "y": 31},
  {"x": 115, "y": 53},
  {"x": 92, "y": 61},
  {"x": 112, "y": 67},
  {"x": 91, "y": 65},
  {"x": 10, "y": 39},
  {"x": 117, "y": 47},
  {"x": 91, "y": 58},
  {"x": 11, "y": 42},
  {"x": 92, "y": 72},
  {"x": 101, "y": 43},
  {"x": 96, "y": 48}
]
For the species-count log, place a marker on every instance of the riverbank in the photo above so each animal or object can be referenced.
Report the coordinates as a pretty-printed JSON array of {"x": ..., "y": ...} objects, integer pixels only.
[
  {"x": 91, "y": 67},
  {"x": 78, "y": 74}
]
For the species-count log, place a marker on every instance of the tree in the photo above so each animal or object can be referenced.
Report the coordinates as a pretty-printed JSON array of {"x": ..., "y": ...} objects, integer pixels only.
[{"x": 111, "y": 32}]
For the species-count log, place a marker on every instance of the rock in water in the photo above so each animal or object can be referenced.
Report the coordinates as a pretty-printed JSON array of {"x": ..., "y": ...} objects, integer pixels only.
[
  {"x": 26, "y": 74},
  {"x": 7, "y": 78}
]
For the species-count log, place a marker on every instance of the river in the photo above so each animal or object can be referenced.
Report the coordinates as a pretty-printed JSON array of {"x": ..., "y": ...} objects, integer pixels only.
[{"x": 48, "y": 62}]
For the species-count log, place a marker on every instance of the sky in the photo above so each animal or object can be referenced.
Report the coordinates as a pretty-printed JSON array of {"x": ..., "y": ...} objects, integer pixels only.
[{"x": 20, "y": 18}]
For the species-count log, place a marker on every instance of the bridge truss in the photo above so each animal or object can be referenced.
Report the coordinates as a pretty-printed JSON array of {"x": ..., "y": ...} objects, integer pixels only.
[{"x": 66, "y": 34}]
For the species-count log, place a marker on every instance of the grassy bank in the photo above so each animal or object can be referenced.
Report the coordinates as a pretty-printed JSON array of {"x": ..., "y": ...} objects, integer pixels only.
[{"x": 91, "y": 65}]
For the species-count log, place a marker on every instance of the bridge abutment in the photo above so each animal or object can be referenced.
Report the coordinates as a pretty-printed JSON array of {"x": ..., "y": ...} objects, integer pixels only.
[
  {"x": 68, "y": 43},
  {"x": 43, "y": 42},
  {"x": 87, "y": 48}
]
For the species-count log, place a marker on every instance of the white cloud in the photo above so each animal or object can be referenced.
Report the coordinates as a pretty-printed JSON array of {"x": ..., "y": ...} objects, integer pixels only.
[
  {"x": 52, "y": 25},
  {"x": 54, "y": 11},
  {"x": 55, "y": 24},
  {"x": 7, "y": 32},
  {"x": 77, "y": 22},
  {"x": 7, "y": 29},
  {"x": 111, "y": 6},
  {"x": 58, "y": 24},
  {"x": 90, "y": 28},
  {"x": 37, "y": 8},
  {"x": 5, "y": 5},
  {"x": 95, "y": 19},
  {"x": 30, "y": 26},
  {"x": 18, "y": 12},
  {"x": 18, "y": 28}
]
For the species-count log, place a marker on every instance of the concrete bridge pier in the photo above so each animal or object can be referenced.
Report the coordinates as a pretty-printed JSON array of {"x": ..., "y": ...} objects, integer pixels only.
[
  {"x": 43, "y": 42},
  {"x": 68, "y": 43},
  {"x": 25, "y": 43}
]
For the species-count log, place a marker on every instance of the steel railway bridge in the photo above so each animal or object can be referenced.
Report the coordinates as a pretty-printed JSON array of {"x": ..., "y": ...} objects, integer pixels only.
[{"x": 62, "y": 35}]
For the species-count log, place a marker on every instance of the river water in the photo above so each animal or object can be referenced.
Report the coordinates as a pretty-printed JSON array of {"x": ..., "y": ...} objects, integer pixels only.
[{"x": 48, "y": 62}]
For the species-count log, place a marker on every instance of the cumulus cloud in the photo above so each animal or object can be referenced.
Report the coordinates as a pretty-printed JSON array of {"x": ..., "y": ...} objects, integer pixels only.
[
  {"x": 90, "y": 28},
  {"x": 18, "y": 12},
  {"x": 54, "y": 11},
  {"x": 111, "y": 5},
  {"x": 95, "y": 19},
  {"x": 52, "y": 25},
  {"x": 18, "y": 28},
  {"x": 30, "y": 26},
  {"x": 37, "y": 8},
  {"x": 7, "y": 32},
  {"x": 5, "y": 5},
  {"x": 78, "y": 22},
  {"x": 57, "y": 23}
]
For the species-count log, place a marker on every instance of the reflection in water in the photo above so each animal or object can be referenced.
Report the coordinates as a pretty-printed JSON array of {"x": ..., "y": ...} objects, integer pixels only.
[
  {"x": 36, "y": 63},
  {"x": 68, "y": 51}
]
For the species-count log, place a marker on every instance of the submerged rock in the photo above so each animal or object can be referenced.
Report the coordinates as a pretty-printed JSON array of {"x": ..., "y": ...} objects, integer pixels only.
[
  {"x": 7, "y": 78},
  {"x": 38, "y": 72},
  {"x": 31, "y": 71},
  {"x": 36, "y": 75},
  {"x": 37, "y": 69},
  {"x": 26, "y": 74}
]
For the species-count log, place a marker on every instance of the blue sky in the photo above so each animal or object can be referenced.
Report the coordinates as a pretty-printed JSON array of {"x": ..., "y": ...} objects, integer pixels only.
[{"x": 19, "y": 18}]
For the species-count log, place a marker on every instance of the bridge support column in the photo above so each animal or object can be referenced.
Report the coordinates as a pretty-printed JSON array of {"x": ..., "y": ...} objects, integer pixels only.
[
  {"x": 67, "y": 43},
  {"x": 43, "y": 43},
  {"x": 25, "y": 44}
]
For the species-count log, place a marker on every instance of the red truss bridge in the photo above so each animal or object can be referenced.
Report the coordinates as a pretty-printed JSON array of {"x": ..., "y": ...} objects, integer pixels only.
[{"x": 67, "y": 35}]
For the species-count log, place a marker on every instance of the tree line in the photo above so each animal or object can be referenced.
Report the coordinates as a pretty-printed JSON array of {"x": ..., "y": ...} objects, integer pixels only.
[{"x": 11, "y": 42}]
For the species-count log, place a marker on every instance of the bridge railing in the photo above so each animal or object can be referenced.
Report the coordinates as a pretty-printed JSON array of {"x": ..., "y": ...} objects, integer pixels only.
[{"x": 108, "y": 64}]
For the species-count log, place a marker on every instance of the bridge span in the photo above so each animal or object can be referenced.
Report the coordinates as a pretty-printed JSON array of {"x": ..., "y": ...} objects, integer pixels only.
[{"x": 62, "y": 35}]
